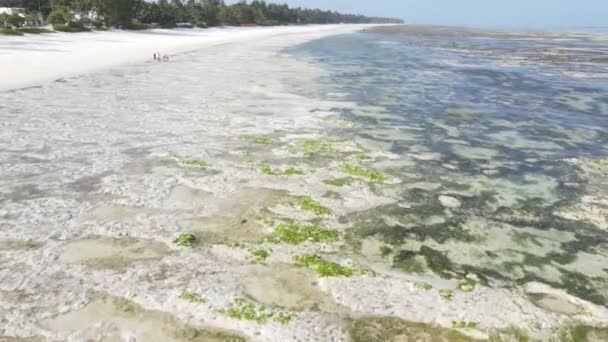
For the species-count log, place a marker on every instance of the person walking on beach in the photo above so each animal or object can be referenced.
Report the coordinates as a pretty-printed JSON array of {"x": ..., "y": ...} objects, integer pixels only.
[{"x": 155, "y": 56}]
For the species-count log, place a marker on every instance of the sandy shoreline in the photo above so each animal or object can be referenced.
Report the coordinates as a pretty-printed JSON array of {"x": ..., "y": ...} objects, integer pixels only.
[{"x": 34, "y": 59}]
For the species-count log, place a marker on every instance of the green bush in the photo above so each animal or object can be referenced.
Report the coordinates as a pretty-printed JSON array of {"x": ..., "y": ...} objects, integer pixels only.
[
  {"x": 72, "y": 26},
  {"x": 14, "y": 20},
  {"x": 33, "y": 30},
  {"x": 58, "y": 17},
  {"x": 136, "y": 26},
  {"x": 97, "y": 24},
  {"x": 268, "y": 23},
  {"x": 10, "y": 32}
]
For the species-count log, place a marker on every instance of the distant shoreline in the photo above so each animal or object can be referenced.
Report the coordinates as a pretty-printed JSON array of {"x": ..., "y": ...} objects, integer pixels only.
[
  {"x": 34, "y": 59},
  {"x": 461, "y": 31}
]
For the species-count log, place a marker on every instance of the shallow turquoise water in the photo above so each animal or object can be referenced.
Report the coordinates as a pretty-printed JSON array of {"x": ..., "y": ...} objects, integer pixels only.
[{"x": 490, "y": 122}]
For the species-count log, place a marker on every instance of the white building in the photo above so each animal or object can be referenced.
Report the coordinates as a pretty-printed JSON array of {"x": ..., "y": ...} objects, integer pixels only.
[{"x": 12, "y": 10}]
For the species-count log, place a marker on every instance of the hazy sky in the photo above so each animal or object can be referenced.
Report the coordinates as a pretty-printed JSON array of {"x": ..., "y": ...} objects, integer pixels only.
[{"x": 505, "y": 13}]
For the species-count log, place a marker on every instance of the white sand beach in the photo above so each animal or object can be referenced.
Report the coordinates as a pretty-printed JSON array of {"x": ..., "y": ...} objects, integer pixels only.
[{"x": 32, "y": 59}]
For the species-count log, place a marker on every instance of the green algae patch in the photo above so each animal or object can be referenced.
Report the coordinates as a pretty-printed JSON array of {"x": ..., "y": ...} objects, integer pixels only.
[
  {"x": 323, "y": 267},
  {"x": 438, "y": 262},
  {"x": 283, "y": 317},
  {"x": 308, "y": 204},
  {"x": 580, "y": 332},
  {"x": 311, "y": 147},
  {"x": 424, "y": 286},
  {"x": 446, "y": 294},
  {"x": 243, "y": 310},
  {"x": 267, "y": 170},
  {"x": 196, "y": 163},
  {"x": 261, "y": 254},
  {"x": 357, "y": 171},
  {"x": 601, "y": 163},
  {"x": 126, "y": 316},
  {"x": 290, "y": 171},
  {"x": 469, "y": 283},
  {"x": 257, "y": 140},
  {"x": 193, "y": 297},
  {"x": 335, "y": 182},
  {"x": 510, "y": 334},
  {"x": 408, "y": 261},
  {"x": 382, "y": 329},
  {"x": 185, "y": 240},
  {"x": 464, "y": 325},
  {"x": 297, "y": 233}
]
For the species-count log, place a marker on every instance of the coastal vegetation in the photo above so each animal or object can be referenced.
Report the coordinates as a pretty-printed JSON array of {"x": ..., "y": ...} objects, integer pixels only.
[{"x": 84, "y": 15}]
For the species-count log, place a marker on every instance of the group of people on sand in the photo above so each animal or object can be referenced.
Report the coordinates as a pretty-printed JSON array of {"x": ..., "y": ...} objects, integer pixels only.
[{"x": 159, "y": 57}]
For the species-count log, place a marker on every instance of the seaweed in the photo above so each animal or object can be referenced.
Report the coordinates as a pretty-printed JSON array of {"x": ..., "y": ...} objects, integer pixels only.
[
  {"x": 357, "y": 171},
  {"x": 422, "y": 285},
  {"x": 437, "y": 262},
  {"x": 261, "y": 254},
  {"x": 267, "y": 170},
  {"x": 297, "y": 233},
  {"x": 407, "y": 261},
  {"x": 192, "y": 297},
  {"x": 312, "y": 147},
  {"x": 308, "y": 204},
  {"x": 464, "y": 325},
  {"x": 290, "y": 171},
  {"x": 335, "y": 182},
  {"x": 185, "y": 240},
  {"x": 257, "y": 140},
  {"x": 385, "y": 251},
  {"x": 242, "y": 310},
  {"x": 469, "y": 283},
  {"x": 323, "y": 267},
  {"x": 196, "y": 163},
  {"x": 381, "y": 329},
  {"x": 446, "y": 294}
]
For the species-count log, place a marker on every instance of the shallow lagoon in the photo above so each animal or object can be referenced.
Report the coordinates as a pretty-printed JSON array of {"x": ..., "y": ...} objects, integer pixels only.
[{"x": 486, "y": 124}]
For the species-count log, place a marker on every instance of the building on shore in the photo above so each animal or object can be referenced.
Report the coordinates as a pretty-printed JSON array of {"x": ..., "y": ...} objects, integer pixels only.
[{"x": 12, "y": 11}]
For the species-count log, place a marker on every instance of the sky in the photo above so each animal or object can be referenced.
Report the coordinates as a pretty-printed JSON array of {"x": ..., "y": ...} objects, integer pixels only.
[{"x": 482, "y": 13}]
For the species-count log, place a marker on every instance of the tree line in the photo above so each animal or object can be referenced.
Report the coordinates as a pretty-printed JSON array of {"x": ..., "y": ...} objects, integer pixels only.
[{"x": 200, "y": 13}]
